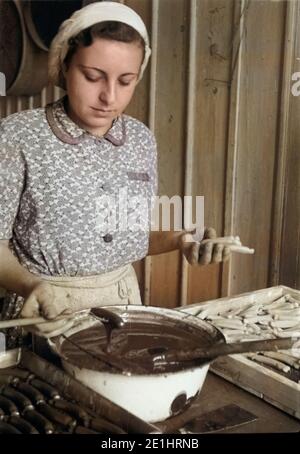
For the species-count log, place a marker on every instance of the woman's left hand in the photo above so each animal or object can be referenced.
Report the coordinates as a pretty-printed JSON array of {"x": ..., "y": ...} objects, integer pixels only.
[{"x": 204, "y": 252}]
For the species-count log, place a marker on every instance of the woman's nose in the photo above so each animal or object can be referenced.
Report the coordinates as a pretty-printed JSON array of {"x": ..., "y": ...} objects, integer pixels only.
[{"x": 108, "y": 93}]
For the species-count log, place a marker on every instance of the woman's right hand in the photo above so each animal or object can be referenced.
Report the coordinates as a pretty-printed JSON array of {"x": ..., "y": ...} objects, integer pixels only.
[{"x": 48, "y": 301}]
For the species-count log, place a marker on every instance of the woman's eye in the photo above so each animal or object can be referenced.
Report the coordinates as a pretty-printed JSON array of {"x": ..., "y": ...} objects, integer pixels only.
[
  {"x": 125, "y": 83},
  {"x": 91, "y": 79}
]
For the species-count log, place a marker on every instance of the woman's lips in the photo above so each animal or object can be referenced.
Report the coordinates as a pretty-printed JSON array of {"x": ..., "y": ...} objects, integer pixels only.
[
  {"x": 101, "y": 110},
  {"x": 101, "y": 113}
]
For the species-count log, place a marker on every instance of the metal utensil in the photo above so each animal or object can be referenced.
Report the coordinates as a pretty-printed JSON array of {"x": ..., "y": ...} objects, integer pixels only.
[
  {"x": 115, "y": 320},
  {"x": 12, "y": 323},
  {"x": 219, "y": 419},
  {"x": 222, "y": 349}
]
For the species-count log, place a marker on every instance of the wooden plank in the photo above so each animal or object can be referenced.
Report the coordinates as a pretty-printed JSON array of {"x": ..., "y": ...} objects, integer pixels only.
[
  {"x": 213, "y": 64},
  {"x": 2, "y": 106},
  {"x": 263, "y": 382},
  {"x": 139, "y": 106},
  {"x": 290, "y": 252},
  {"x": 277, "y": 245},
  {"x": 170, "y": 133},
  {"x": 152, "y": 123},
  {"x": 10, "y": 105},
  {"x": 190, "y": 132},
  {"x": 240, "y": 11},
  {"x": 257, "y": 141}
]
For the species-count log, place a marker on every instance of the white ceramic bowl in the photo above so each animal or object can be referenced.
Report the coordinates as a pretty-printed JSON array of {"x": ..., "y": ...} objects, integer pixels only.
[{"x": 152, "y": 397}]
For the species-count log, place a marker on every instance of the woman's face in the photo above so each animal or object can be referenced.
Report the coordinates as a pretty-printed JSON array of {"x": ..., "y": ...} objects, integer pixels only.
[{"x": 100, "y": 82}]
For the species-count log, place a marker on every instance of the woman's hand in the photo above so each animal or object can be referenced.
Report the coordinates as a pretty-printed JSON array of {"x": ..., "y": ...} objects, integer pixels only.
[
  {"x": 48, "y": 301},
  {"x": 204, "y": 252}
]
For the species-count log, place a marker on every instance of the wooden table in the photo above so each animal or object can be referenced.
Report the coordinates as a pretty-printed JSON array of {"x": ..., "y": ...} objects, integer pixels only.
[{"x": 218, "y": 392}]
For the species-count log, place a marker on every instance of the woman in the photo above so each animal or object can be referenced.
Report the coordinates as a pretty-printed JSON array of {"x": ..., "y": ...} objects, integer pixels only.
[{"x": 58, "y": 164}]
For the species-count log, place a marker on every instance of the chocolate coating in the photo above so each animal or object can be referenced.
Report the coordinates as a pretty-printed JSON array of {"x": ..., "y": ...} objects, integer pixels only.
[{"x": 138, "y": 346}]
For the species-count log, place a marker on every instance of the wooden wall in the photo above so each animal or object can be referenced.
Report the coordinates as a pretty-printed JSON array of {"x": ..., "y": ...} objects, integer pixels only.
[
  {"x": 287, "y": 270},
  {"x": 253, "y": 141},
  {"x": 217, "y": 95}
]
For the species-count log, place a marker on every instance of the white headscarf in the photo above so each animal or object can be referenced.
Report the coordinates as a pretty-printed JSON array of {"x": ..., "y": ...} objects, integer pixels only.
[{"x": 84, "y": 18}]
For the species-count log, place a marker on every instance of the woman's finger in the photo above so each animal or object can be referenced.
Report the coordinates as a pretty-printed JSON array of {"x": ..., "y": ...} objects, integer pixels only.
[
  {"x": 31, "y": 307},
  {"x": 49, "y": 311},
  {"x": 56, "y": 304},
  {"x": 226, "y": 254},
  {"x": 193, "y": 254},
  {"x": 217, "y": 253},
  {"x": 210, "y": 233},
  {"x": 205, "y": 254}
]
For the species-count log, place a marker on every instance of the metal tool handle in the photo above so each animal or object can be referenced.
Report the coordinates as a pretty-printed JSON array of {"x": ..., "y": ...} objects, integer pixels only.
[
  {"x": 214, "y": 351},
  {"x": 29, "y": 321}
]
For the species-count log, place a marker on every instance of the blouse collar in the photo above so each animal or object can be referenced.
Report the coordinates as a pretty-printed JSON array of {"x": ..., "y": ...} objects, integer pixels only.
[{"x": 69, "y": 132}]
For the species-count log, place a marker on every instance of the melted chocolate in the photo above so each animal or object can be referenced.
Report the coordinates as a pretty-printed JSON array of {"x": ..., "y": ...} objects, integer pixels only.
[{"x": 137, "y": 347}]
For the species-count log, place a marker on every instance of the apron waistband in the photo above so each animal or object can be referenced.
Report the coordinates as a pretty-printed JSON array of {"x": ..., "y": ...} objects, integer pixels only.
[{"x": 90, "y": 282}]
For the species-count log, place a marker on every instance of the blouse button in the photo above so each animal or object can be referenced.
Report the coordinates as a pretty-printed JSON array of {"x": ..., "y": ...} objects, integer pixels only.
[
  {"x": 106, "y": 187},
  {"x": 108, "y": 238}
]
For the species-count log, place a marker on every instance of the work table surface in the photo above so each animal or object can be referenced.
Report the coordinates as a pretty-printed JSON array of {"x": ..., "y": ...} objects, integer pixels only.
[{"x": 217, "y": 393}]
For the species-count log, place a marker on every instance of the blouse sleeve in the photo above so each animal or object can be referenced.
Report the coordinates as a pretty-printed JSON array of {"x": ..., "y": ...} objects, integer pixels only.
[{"x": 12, "y": 175}]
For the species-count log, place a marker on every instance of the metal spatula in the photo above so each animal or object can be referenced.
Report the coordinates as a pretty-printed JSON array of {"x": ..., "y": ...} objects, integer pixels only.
[{"x": 222, "y": 349}]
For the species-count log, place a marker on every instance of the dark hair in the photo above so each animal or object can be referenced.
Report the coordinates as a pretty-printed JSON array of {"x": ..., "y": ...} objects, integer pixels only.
[{"x": 110, "y": 30}]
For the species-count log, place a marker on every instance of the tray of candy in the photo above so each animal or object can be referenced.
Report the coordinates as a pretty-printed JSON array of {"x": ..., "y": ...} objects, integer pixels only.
[{"x": 263, "y": 314}]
